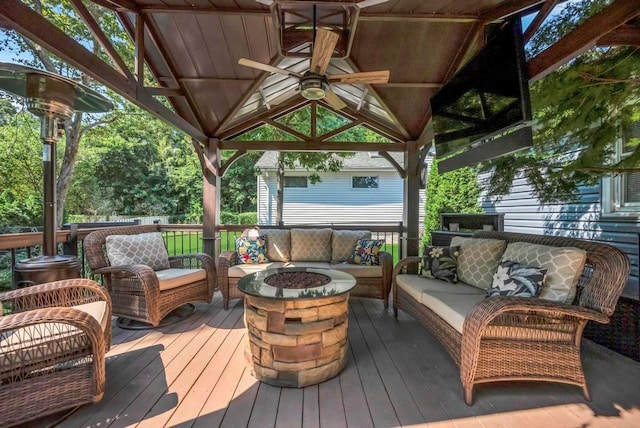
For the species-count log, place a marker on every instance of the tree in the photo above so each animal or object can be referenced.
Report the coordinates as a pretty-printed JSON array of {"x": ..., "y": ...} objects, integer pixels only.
[
  {"x": 60, "y": 13},
  {"x": 21, "y": 166},
  {"x": 453, "y": 192},
  {"x": 579, "y": 112}
]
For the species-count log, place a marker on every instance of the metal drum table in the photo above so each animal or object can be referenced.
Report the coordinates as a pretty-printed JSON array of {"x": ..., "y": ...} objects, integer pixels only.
[{"x": 296, "y": 321}]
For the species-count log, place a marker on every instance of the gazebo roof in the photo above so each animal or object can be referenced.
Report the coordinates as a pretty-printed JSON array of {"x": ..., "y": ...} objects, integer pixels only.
[{"x": 192, "y": 48}]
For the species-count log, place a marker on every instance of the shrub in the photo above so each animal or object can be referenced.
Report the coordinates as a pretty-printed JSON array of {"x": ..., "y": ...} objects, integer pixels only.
[
  {"x": 227, "y": 217},
  {"x": 453, "y": 192},
  {"x": 248, "y": 218}
]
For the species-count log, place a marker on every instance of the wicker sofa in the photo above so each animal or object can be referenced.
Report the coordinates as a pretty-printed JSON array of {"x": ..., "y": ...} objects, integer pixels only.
[
  {"x": 514, "y": 338},
  {"x": 319, "y": 248}
]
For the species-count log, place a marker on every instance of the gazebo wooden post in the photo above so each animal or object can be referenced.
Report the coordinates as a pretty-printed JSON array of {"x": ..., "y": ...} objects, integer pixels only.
[
  {"x": 411, "y": 203},
  {"x": 211, "y": 194}
]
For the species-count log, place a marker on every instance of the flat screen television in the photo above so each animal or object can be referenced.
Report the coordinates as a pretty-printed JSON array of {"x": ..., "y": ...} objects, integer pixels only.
[{"x": 484, "y": 100}]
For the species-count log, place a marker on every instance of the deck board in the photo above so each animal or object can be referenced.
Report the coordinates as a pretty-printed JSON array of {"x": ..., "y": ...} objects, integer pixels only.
[{"x": 193, "y": 374}]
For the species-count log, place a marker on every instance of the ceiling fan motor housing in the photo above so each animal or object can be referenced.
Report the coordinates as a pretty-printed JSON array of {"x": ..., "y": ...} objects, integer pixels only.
[{"x": 313, "y": 86}]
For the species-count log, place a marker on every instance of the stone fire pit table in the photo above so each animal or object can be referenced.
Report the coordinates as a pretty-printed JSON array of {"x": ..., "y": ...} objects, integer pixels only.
[{"x": 296, "y": 321}]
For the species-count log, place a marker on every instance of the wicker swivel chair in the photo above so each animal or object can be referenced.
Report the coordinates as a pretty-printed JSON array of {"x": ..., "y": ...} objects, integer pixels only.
[
  {"x": 52, "y": 348},
  {"x": 138, "y": 292}
]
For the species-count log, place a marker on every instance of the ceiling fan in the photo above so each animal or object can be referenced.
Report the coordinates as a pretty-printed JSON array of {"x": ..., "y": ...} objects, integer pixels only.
[{"x": 315, "y": 84}]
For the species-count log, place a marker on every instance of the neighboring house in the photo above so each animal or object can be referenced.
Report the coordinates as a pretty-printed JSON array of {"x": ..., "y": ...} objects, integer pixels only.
[
  {"x": 368, "y": 190},
  {"x": 609, "y": 212}
]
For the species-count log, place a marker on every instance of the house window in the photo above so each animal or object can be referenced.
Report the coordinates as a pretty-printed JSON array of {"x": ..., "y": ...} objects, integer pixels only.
[
  {"x": 296, "y": 181},
  {"x": 365, "y": 182},
  {"x": 621, "y": 192}
]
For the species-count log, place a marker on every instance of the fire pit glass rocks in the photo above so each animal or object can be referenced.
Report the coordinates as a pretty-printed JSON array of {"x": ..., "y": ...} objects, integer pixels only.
[{"x": 296, "y": 321}]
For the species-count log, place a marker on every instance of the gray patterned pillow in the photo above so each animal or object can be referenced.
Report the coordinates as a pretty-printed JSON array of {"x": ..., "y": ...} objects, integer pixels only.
[
  {"x": 141, "y": 249},
  {"x": 343, "y": 242},
  {"x": 564, "y": 266},
  {"x": 478, "y": 259},
  {"x": 514, "y": 279},
  {"x": 278, "y": 244},
  {"x": 310, "y": 245}
]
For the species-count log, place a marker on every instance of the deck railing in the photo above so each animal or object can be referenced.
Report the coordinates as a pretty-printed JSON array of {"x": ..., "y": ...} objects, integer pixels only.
[{"x": 180, "y": 239}]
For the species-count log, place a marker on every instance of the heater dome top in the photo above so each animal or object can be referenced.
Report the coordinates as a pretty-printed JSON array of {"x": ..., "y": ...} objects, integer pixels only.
[{"x": 43, "y": 86}]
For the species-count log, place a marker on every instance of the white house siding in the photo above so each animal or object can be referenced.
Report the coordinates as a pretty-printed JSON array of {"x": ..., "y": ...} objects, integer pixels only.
[
  {"x": 333, "y": 201},
  {"x": 525, "y": 214}
]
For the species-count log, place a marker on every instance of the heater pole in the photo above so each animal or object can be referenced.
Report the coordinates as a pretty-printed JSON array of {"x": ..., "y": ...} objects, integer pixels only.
[{"x": 49, "y": 136}]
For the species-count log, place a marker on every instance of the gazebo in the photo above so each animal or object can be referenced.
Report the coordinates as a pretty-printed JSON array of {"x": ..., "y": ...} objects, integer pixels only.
[{"x": 192, "y": 49}]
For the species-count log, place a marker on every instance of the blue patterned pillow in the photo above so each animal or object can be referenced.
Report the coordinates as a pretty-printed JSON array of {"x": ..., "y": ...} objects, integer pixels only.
[
  {"x": 366, "y": 252},
  {"x": 440, "y": 263},
  {"x": 252, "y": 250},
  {"x": 513, "y": 279}
]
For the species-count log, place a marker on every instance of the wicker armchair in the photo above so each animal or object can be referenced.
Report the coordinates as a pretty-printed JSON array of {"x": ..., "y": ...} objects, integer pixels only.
[
  {"x": 52, "y": 348},
  {"x": 515, "y": 338},
  {"x": 136, "y": 291}
]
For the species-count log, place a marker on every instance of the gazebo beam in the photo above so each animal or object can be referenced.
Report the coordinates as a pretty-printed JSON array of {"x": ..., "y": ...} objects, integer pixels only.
[
  {"x": 33, "y": 26},
  {"x": 583, "y": 37},
  {"x": 313, "y": 146}
]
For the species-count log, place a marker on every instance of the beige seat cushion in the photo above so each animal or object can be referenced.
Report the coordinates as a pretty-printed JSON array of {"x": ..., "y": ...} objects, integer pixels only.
[
  {"x": 34, "y": 343},
  {"x": 172, "y": 278},
  {"x": 278, "y": 244},
  {"x": 359, "y": 271},
  {"x": 140, "y": 249},
  {"x": 238, "y": 271},
  {"x": 317, "y": 265},
  {"x": 478, "y": 260},
  {"x": 415, "y": 285},
  {"x": 564, "y": 266},
  {"x": 343, "y": 242},
  {"x": 311, "y": 245},
  {"x": 453, "y": 308}
]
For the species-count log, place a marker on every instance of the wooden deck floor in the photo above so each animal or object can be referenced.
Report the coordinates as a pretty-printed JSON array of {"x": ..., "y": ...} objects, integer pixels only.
[{"x": 193, "y": 374}]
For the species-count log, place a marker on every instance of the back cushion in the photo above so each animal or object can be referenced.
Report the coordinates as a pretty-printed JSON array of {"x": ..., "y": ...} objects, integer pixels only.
[
  {"x": 564, "y": 266},
  {"x": 343, "y": 242},
  {"x": 478, "y": 259},
  {"x": 278, "y": 244},
  {"x": 311, "y": 245},
  {"x": 140, "y": 249}
]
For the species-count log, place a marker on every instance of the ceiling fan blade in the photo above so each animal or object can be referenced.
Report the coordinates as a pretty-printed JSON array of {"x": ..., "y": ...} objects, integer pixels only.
[
  {"x": 287, "y": 95},
  {"x": 323, "y": 50},
  {"x": 266, "y": 67},
  {"x": 366, "y": 78},
  {"x": 333, "y": 100},
  {"x": 366, "y": 3}
]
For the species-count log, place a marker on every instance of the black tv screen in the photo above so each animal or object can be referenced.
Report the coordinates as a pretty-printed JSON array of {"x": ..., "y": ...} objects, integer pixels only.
[{"x": 488, "y": 96}]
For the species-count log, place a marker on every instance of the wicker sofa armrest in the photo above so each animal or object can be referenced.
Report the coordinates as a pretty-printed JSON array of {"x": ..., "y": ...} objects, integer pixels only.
[
  {"x": 526, "y": 312},
  {"x": 407, "y": 263},
  {"x": 226, "y": 259},
  {"x": 64, "y": 293},
  {"x": 49, "y": 300},
  {"x": 385, "y": 260},
  {"x": 25, "y": 355},
  {"x": 131, "y": 279}
]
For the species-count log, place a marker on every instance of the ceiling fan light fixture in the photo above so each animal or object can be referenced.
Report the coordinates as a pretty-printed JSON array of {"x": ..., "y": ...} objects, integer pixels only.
[{"x": 313, "y": 87}]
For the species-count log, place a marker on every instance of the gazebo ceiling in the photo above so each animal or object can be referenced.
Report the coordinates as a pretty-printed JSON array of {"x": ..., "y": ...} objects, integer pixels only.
[{"x": 192, "y": 47}]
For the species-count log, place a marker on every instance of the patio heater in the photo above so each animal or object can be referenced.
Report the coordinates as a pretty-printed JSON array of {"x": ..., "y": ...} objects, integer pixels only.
[{"x": 53, "y": 98}]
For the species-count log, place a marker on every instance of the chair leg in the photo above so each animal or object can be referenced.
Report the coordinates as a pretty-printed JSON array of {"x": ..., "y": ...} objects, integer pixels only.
[
  {"x": 225, "y": 303},
  {"x": 585, "y": 392},
  {"x": 468, "y": 395}
]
